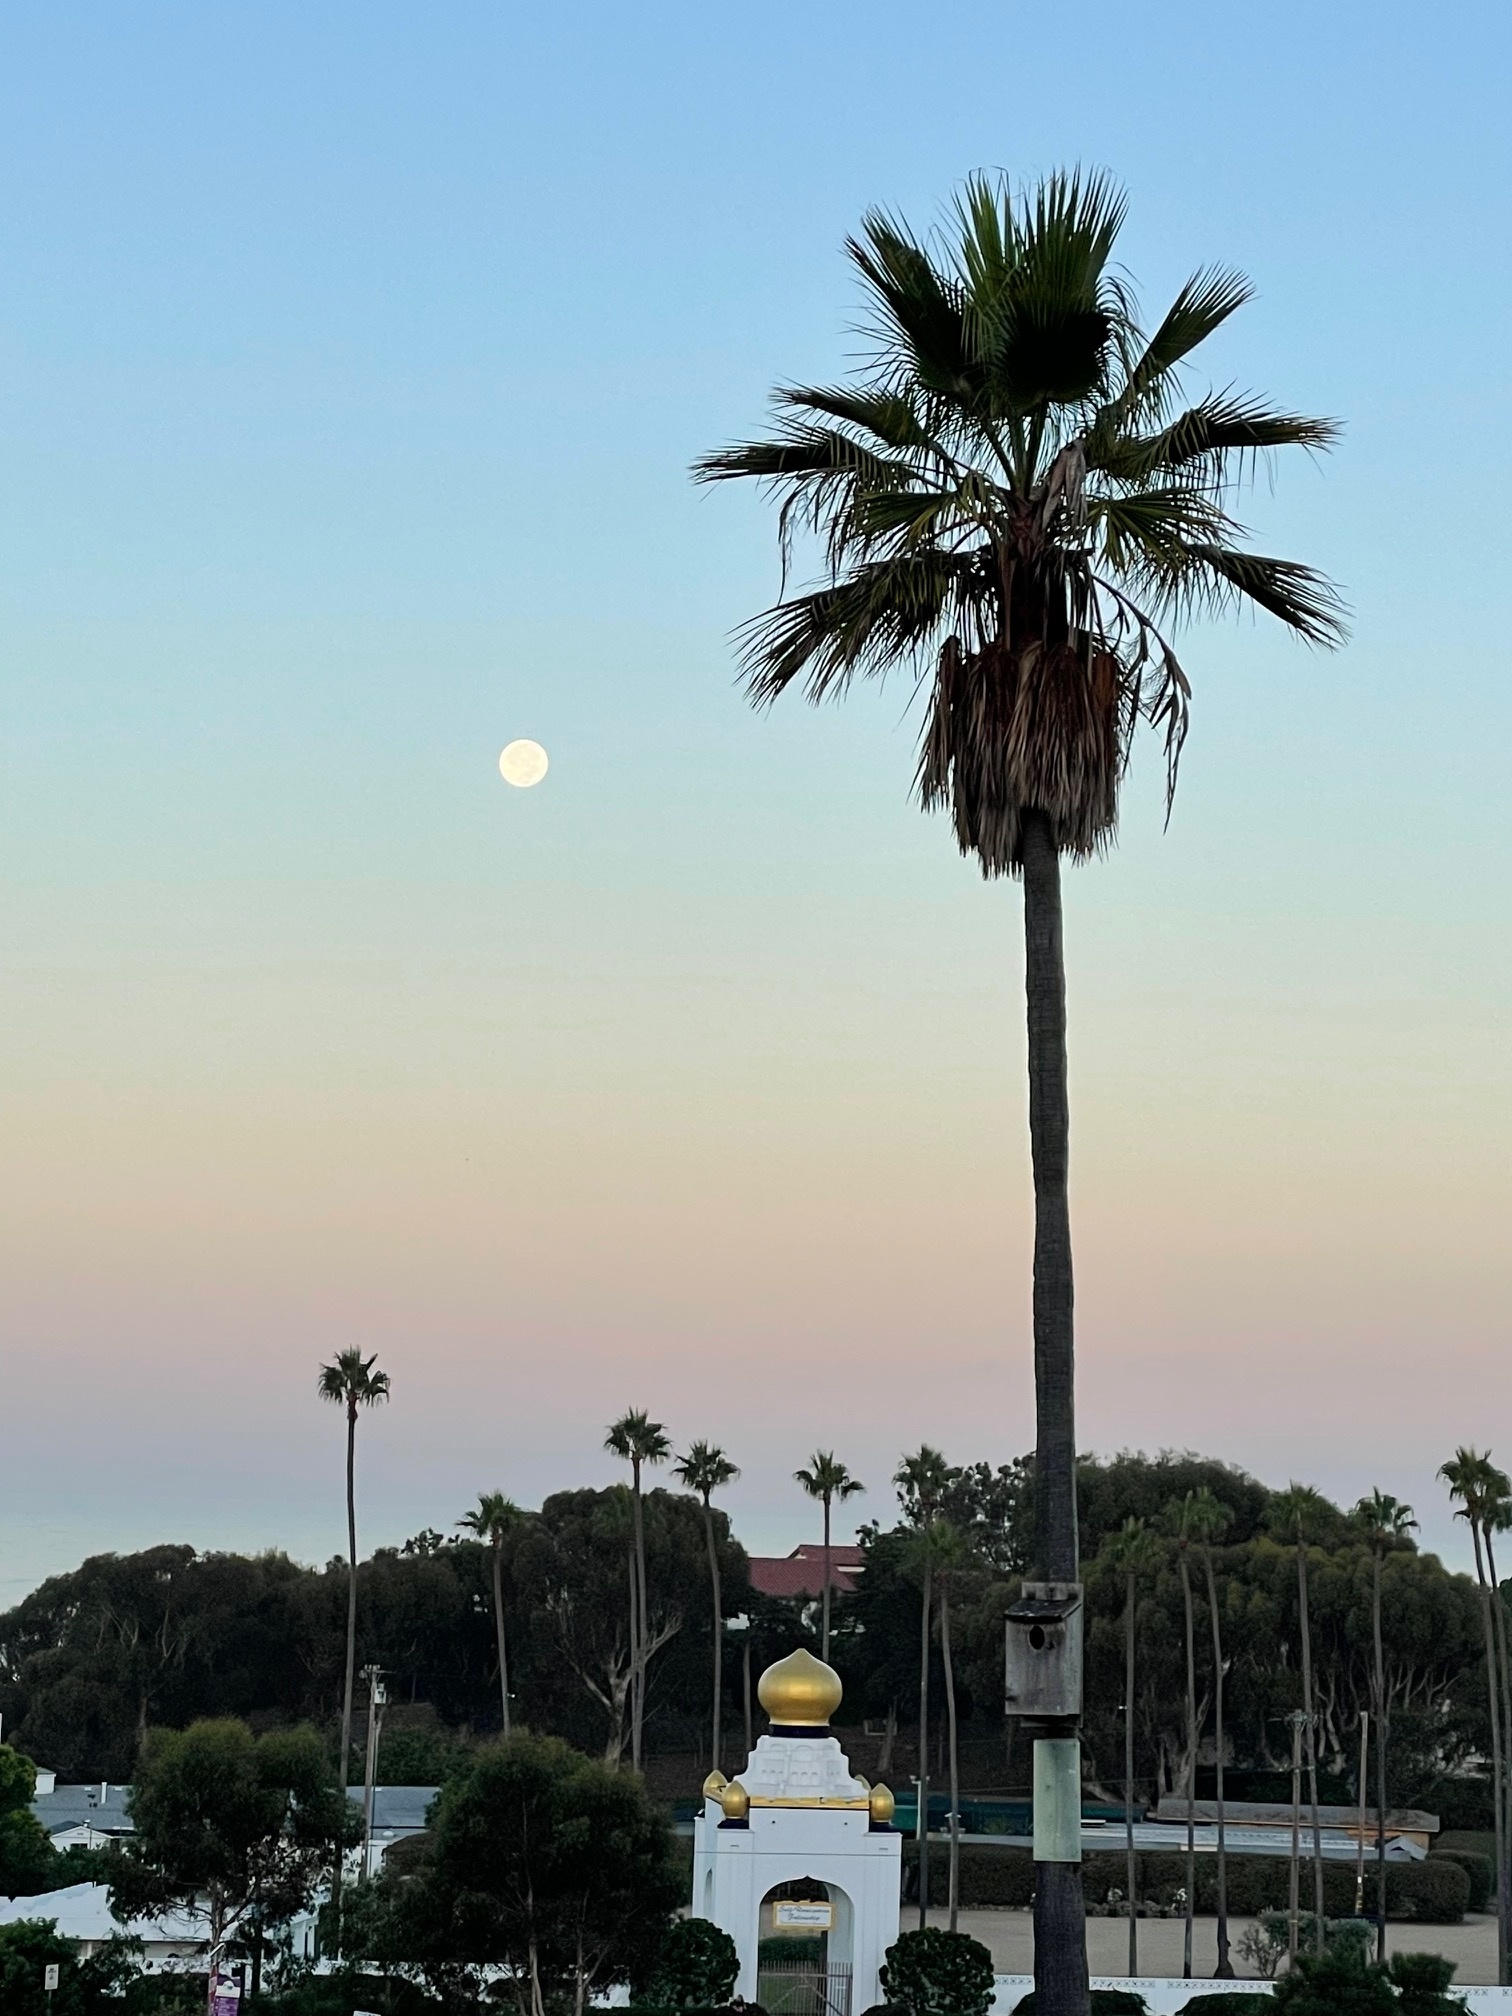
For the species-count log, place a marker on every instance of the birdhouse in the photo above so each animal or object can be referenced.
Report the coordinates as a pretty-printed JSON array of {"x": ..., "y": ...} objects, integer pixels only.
[{"x": 1043, "y": 1667}]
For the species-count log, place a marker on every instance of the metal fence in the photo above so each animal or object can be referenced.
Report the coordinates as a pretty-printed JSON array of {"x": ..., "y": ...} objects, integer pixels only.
[{"x": 799, "y": 1988}]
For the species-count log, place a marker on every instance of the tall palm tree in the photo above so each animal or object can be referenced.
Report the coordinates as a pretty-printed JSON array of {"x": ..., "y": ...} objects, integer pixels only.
[
  {"x": 1480, "y": 1489},
  {"x": 1385, "y": 1523},
  {"x": 1132, "y": 1551},
  {"x": 922, "y": 1480},
  {"x": 1297, "y": 1514},
  {"x": 351, "y": 1381},
  {"x": 491, "y": 1520},
  {"x": 638, "y": 1440},
  {"x": 1011, "y": 501},
  {"x": 1178, "y": 1524},
  {"x": 826, "y": 1478},
  {"x": 704, "y": 1470},
  {"x": 1208, "y": 1520}
]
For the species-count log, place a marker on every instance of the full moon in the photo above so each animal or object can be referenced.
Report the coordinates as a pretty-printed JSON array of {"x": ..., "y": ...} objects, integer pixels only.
[{"x": 523, "y": 763}]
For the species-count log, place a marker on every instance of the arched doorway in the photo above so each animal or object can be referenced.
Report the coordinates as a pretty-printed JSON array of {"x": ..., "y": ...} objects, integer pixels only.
[{"x": 804, "y": 1949}]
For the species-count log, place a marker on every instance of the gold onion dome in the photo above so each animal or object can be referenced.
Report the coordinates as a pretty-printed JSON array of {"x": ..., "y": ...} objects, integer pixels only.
[
  {"x": 880, "y": 1806},
  {"x": 714, "y": 1784},
  {"x": 800, "y": 1691},
  {"x": 735, "y": 1801}
]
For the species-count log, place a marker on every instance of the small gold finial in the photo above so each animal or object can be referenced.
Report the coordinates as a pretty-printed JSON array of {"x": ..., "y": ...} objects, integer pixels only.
[
  {"x": 880, "y": 1806},
  {"x": 735, "y": 1801},
  {"x": 800, "y": 1691},
  {"x": 714, "y": 1784}
]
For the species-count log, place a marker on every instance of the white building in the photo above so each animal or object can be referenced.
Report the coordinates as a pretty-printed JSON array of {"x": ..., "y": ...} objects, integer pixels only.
[{"x": 797, "y": 1844}]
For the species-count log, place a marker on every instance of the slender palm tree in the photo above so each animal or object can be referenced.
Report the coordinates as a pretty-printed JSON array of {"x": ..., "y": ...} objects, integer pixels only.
[
  {"x": 1012, "y": 500},
  {"x": 922, "y": 1480},
  {"x": 351, "y": 1381},
  {"x": 638, "y": 1440},
  {"x": 1208, "y": 1520},
  {"x": 1178, "y": 1524},
  {"x": 1385, "y": 1523},
  {"x": 1479, "y": 1487},
  {"x": 1132, "y": 1551},
  {"x": 490, "y": 1521},
  {"x": 1297, "y": 1514},
  {"x": 704, "y": 1470},
  {"x": 826, "y": 1478}
]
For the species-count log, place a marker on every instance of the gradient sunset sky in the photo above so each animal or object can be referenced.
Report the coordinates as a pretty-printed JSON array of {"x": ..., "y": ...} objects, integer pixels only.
[{"x": 351, "y": 361}]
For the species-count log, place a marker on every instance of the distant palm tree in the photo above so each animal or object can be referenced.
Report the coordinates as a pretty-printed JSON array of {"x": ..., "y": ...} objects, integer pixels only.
[
  {"x": 1297, "y": 1513},
  {"x": 491, "y": 1521},
  {"x": 1010, "y": 502},
  {"x": 351, "y": 1381},
  {"x": 1481, "y": 1489},
  {"x": 638, "y": 1440},
  {"x": 922, "y": 1480},
  {"x": 1208, "y": 1519},
  {"x": 704, "y": 1470},
  {"x": 1385, "y": 1523},
  {"x": 1132, "y": 1551},
  {"x": 827, "y": 1479}
]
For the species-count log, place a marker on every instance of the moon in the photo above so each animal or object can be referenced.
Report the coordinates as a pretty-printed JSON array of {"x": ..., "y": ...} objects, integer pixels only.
[{"x": 523, "y": 763}]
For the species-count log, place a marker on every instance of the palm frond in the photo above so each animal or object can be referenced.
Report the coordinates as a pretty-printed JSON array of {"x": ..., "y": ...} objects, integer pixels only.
[
  {"x": 1222, "y": 425},
  {"x": 916, "y": 308},
  {"x": 1305, "y": 600},
  {"x": 1204, "y": 304}
]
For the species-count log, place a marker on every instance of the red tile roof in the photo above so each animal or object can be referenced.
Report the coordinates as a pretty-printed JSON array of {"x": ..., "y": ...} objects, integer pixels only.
[{"x": 801, "y": 1573}]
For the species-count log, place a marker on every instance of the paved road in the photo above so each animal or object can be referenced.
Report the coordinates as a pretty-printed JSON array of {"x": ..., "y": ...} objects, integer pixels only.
[{"x": 1009, "y": 1937}]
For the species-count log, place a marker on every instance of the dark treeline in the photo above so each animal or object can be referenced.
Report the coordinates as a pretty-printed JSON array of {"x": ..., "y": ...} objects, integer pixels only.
[{"x": 94, "y": 1658}]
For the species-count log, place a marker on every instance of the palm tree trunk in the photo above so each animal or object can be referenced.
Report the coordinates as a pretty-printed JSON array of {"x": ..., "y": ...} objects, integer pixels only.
[
  {"x": 498, "y": 1596},
  {"x": 1191, "y": 1766},
  {"x": 1060, "y": 1928},
  {"x": 1380, "y": 1708},
  {"x": 1499, "y": 1613},
  {"x": 716, "y": 1743},
  {"x": 1224, "y": 1971},
  {"x": 1498, "y": 1811},
  {"x": 923, "y": 1824},
  {"x": 642, "y": 1633},
  {"x": 1319, "y": 1934},
  {"x": 1133, "y": 1868},
  {"x": 824, "y": 1653},
  {"x": 955, "y": 1764},
  {"x": 351, "y": 1629}
]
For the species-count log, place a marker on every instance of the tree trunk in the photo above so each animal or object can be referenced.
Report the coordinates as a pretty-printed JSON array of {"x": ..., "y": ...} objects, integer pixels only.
[
  {"x": 824, "y": 1642},
  {"x": 889, "y": 1738},
  {"x": 1319, "y": 1922},
  {"x": 498, "y": 1596},
  {"x": 1497, "y": 1760},
  {"x": 955, "y": 1762},
  {"x": 1060, "y": 1928},
  {"x": 923, "y": 1826},
  {"x": 1294, "y": 1886},
  {"x": 1191, "y": 1768},
  {"x": 1380, "y": 1708},
  {"x": 643, "y": 1625},
  {"x": 1224, "y": 1971},
  {"x": 1133, "y": 1867},
  {"x": 351, "y": 1630},
  {"x": 718, "y": 1732}
]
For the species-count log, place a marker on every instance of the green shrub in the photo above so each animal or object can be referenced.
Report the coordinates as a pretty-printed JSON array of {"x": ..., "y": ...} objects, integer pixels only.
[
  {"x": 1476, "y": 1866},
  {"x": 1435, "y": 1892},
  {"x": 695, "y": 1968},
  {"x": 1103, "y": 2002},
  {"x": 1258, "y": 2003},
  {"x": 1422, "y": 1984},
  {"x": 1335, "y": 1983},
  {"x": 938, "y": 1973}
]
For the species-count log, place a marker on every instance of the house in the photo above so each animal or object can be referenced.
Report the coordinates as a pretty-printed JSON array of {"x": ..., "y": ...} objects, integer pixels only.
[
  {"x": 81, "y": 1914},
  {"x": 801, "y": 1573},
  {"x": 398, "y": 1813},
  {"x": 81, "y": 1816}
]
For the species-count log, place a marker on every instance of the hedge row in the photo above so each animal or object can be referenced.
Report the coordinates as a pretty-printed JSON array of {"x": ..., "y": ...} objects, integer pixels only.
[{"x": 1435, "y": 1892}]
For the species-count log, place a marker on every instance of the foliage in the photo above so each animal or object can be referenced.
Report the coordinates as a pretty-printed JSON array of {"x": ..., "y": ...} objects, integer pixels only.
[
  {"x": 1240, "y": 2004},
  {"x": 1422, "y": 1984},
  {"x": 1101, "y": 2001},
  {"x": 695, "y": 1968},
  {"x": 28, "y": 1860},
  {"x": 1336, "y": 1982},
  {"x": 244, "y": 1826},
  {"x": 938, "y": 1973},
  {"x": 540, "y": 1862},
  {"x": 91, "y": 1987}
]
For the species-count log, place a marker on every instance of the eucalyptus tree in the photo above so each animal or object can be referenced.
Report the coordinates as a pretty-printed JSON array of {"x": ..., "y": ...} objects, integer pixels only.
[
  {"x": 351, "y": 1382},
  {"x": 704, "y": 1470},
  {"x": 1297, "y": 1515},
  {"x": 1481, "y": 1489},
  {"x": 1134, "y": 1550},
  {"x": 921, "y": 1481},
  {"x": 638, "y": 1440},
  {"x": 1385, "y": 1523},
  {"x": 1013, "y": 500},
  {"x": 826, "y": 1478},
  {"x": 1208, "y": 1520},
  {"x": 491, "y": 1521}
]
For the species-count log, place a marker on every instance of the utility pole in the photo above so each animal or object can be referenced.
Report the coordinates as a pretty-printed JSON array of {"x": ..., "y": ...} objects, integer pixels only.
[
  {"x": 376, "y": 1699},
  {"x": 1360, "y": 1831},
  {"x": 1296, "y": 1719}
]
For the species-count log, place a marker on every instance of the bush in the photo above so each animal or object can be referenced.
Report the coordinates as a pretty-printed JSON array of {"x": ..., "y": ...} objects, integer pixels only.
[
  {"x": 695, "y": 1969},
  {"x": 1422, "y": 1984},
  {"x": 1476, "y": 1866},
  {"x": 1335, "y": 1983},
  {"x": 938, "y": 1973},
  {"x": 989, "y": 1876},
  {"x": 1435, "y": 1892},
  {"x": 1258, "y": 2003},
  {"x": 1102, "y": 2001}
]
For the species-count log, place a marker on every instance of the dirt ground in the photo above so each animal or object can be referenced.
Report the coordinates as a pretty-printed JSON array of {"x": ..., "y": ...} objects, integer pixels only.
[{"x": 1009, "y": 1937}]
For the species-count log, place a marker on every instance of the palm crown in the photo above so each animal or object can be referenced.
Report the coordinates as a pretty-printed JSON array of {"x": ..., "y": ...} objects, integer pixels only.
[
  {"x": 1385, "y": 1521},
  {"x": 350, "y": 1381},
  {"x": 491, "y": 1518},
  {"x": 825, "y": 1477},
  {"x": 638, "y": 1439},
  {"x": 1015, "y": 498},
  {"x": 705, "y": 1469}
]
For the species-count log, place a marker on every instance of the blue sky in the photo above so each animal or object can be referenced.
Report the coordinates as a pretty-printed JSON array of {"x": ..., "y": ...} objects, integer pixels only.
[{"x": 351, "y": 361}]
